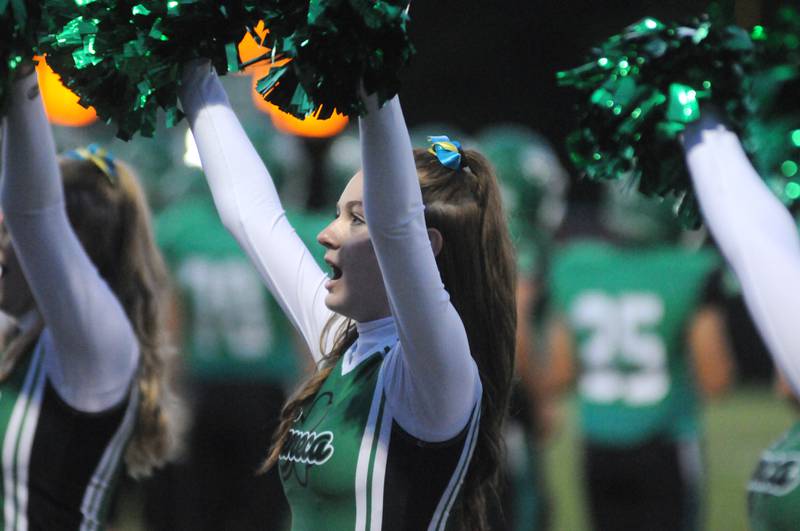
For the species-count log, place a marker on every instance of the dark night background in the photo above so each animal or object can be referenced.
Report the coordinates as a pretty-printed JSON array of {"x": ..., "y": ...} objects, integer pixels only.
[{"x": 480, "y": 63}]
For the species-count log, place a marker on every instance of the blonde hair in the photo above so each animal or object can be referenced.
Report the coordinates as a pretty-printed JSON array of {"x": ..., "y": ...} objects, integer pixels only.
[
  {"x": 111, "y": 218},
  {"x": 477, "y": 268}
]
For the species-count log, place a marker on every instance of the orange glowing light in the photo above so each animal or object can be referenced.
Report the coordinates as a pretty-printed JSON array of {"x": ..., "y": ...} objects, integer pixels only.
[
  {"x": 251, "y": 48},
  {"x": 311, "y": 126},
  {"x": 60, "y": 103}
]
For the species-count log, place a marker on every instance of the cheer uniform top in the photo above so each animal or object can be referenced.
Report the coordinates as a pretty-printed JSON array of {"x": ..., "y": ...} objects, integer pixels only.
[
  {"x": 68, "y": 408},
  {"x": 773, "y": 494},
  {"x": 347, "y": 436},
  {"x": 389, "y": 410}
]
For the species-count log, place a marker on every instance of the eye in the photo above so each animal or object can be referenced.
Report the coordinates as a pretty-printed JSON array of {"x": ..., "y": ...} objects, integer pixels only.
[{"x": 357, "y": 220}]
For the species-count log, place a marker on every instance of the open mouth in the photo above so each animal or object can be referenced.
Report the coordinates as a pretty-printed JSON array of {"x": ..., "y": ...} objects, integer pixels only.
[{"x": 335, "y": 272}]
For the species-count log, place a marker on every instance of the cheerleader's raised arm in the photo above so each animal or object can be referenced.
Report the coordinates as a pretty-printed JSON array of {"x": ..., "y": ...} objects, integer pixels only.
[
  {"x": 90, "y": 349},
  {"x": 755, "y": 232},
  {"x": 249, "y": 205},
  {"x": 433, "y": 381}
]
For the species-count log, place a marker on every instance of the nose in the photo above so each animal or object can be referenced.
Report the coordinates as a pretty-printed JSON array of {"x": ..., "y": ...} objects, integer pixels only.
[{"x": 327, "y": 236}]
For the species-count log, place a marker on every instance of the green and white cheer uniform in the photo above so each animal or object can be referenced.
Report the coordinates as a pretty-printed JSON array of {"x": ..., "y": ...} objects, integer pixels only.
[
  {"x": 773, "y": 495},
  {"x": 60, "y": 465},
  {"x": 347, "y": 436}
]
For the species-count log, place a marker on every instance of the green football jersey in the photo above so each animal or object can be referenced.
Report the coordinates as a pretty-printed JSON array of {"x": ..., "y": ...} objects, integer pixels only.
[
  {"x": 773, "y": 495},
  {"x": 627, "y": 309},
  {"x": 232, "y": 326},
  {"x": 531, "y": 248}
]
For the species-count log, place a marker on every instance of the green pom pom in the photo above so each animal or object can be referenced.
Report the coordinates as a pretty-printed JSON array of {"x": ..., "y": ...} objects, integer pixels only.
[
  {"x": 642, "y": 87},
  {"x": 19, "y": 23},
  {"x": 339, "y": 44},
  {"x": 773, "y": 140},
  {"x": 124, "y": 58}
]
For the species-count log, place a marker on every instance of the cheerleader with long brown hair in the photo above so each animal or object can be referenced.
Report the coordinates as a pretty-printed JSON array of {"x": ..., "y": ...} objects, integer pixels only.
[{"x": 412, "y": 330}]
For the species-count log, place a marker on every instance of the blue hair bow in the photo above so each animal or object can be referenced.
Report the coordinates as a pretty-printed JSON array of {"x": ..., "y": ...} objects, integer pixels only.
[
  {"x": 101, "y": 158},
  {"x": 447, "y": 151}
]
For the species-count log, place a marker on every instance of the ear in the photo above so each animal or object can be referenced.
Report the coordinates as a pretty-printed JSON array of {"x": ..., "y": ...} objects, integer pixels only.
[{"x": 436, "y": 240}]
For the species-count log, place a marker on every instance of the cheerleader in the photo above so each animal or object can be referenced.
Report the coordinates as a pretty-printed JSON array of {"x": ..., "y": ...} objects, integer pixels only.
[
  {"x": 759, "y": 238},
  {"x": 412, "y": 330},
  {"x": 82, "y": 379}
]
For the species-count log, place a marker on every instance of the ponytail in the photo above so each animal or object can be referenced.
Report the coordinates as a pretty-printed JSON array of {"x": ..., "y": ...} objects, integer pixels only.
[{"x": 108, "y": 211}]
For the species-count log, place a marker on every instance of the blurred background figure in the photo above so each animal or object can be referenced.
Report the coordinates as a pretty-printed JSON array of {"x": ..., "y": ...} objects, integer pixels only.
[
  {"x": 240, "y": 355},
  {"x": 342, "y": 161},
  {"x": 633, "y": 329},
  {"x": 533, "y": 184},
  {"x": 754, "y": 366}
]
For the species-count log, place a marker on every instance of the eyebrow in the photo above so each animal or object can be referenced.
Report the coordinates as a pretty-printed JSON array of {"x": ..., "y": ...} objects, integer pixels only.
[{"x": 350, "y": 204}]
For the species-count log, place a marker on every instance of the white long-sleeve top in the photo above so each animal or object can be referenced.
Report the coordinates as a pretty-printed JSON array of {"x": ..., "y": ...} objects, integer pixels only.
[
  {"x": 755, "y": 232},
  {"x": 431, "y": 379},
  {"x": 90, "y": 350}
]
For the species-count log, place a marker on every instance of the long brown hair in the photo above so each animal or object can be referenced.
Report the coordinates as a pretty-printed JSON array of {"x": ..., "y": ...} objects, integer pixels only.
[
  {"x": 477, "y": 268},
  {"x": 111, "y": 218}
]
